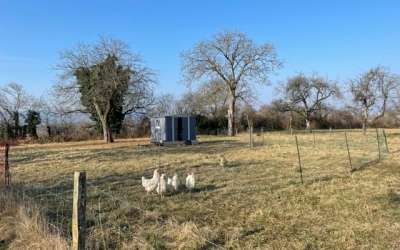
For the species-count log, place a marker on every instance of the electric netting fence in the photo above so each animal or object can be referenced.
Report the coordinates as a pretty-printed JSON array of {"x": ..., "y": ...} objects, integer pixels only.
[{"x": 319, "y": 155}]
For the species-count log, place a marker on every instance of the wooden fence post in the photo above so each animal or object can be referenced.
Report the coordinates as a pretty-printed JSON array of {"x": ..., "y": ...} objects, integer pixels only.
[
  {"x": 7, "y": 174},
  {"x": 387, "y": 146},
  {"x": 251, "y": 135},
  {"x": 2, "y": 164},
  {"x": 348, "y": 151},
  {"x": 79, "y": 212},
  {"x": 379, "y": 145},
  {"x": 252, "y": 138},
  {"x": 298, "y": 154}
]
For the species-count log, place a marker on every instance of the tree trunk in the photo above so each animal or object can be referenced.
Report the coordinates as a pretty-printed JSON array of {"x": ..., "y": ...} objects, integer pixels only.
[
  {"x": 107, "y": 133},
  {"x": 308, "y": 126},
  {"x": 16, "y": 124},
  {"x": 365, "y": 121},
  {"x": 231, "y": 116},
  {"x": 103, "y": 116}
]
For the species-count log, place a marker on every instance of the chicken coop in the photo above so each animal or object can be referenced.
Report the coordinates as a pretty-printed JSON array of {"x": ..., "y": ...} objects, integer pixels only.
[{"x": 173, "y": 129}]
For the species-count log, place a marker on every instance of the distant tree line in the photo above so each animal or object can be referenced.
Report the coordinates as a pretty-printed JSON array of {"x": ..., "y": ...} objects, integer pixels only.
[{"x": 105, "y": 91}]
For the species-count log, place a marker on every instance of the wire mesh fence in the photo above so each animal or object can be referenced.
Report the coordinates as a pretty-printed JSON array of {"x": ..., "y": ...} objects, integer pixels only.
[
  {"x": 275, "y": 161},
  {"x": 323, "y": 154}
]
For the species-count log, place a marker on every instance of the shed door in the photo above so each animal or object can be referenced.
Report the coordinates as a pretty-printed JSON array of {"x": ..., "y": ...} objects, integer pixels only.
[{"x": 180, "y": 129}]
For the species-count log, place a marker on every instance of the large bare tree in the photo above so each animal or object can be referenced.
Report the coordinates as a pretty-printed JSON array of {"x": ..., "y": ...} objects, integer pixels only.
[
  {"x": 106, "y": 80},
  {"x": 307, "y": 95},
  {"x": 234, "y": 59},
  {"x": 372, "y": 91}
]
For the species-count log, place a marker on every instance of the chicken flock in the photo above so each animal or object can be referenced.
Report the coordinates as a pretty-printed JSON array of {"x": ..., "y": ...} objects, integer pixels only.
[{"x": 163, "y": 184}]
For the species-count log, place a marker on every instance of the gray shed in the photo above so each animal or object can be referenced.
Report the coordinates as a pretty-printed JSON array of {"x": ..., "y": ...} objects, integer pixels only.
[{"x": 173, "y": 129}]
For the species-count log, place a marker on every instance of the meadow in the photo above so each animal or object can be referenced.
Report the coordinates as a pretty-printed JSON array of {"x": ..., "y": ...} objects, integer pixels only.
[{"x": 257, "y": 201}]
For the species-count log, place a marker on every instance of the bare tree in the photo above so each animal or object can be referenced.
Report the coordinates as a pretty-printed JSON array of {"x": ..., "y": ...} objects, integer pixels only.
[
  {"x": 13, "y": 102},
  {"x": 307, "y": 95},
  {"x": 102, "y": 78},
  {"x": 234, "y": 59},
  {"x": 208, "y": 100},
  {"x": 372, "y": 91},
  {"x": 164, "y": 105}
]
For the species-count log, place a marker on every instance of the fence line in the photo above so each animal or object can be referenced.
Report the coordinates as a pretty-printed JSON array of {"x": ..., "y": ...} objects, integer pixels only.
[
  {"x": 363, "y": 146},
  {"x": 79, "y": 194}
]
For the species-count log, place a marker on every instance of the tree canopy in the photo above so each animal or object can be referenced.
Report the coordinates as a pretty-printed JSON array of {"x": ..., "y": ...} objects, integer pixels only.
[{"x": 235, "y": 60}]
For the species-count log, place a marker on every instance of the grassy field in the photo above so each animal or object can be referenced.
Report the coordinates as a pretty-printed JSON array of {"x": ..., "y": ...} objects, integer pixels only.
[{"x": 256, "y": 202}]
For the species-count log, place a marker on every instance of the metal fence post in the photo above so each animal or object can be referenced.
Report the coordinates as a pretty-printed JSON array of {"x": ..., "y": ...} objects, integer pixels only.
[
  {"x": 298, "y": 154},
  {"x": 313, "y": 137},
  {"x": 348, "y": 151},
  {"x": 379, "y": 145},
  {"x": 262, "y": 133}
]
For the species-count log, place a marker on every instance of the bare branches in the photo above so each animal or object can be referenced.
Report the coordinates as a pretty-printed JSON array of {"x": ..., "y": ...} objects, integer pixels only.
[
  {"x": 306, "y": 95},
  {"x": 372, "y": 91},
  {"x": 235, "y": 60},
  {"x": 232, "y": 57},
  {"x": 13, "y": 100}
]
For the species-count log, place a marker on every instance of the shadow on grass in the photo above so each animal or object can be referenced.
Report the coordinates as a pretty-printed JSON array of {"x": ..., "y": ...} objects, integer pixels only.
[
  {"x": 394, "y": 198},
  {"x": 205, "y": 188},
  {"x": 326, "y": 178},
  {"x": 365, "y": 165},
  {"x": 200, "y": 189}
]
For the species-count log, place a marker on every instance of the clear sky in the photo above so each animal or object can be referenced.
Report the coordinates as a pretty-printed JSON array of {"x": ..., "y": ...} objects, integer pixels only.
[{"x": 338, "y": 39}]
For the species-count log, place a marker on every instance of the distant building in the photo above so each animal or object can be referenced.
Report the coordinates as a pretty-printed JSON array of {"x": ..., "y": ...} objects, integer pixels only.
[{"x": 173, "y": 129}]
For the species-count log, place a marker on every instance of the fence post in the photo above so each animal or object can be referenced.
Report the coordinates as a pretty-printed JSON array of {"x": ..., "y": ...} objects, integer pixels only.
[
  {"x": 251, "y": 136},
  {"x": 7, "y": 175},
  {"x": 262, "y": 133},
  {"x": 313, "y": 137},
  {"x": 348, "y": 151},
  {"x": 379, "y": 145},
  {"x": 387, "y": 147},
  {"x": 79, "y": 212},
  {"x": 298, "y": 154}
]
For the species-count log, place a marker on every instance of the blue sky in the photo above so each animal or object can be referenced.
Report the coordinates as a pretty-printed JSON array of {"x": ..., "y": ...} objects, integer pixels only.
[{"x": 338, "y": 39}]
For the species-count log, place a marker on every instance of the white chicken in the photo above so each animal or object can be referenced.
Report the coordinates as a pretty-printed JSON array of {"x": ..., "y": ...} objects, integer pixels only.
[
  {"x": 222, "y": 161},
  {"x": 175, "y": 182},
  {"x": 151, "y": 184},
  {"x": 190, "y": 181},
  {"x": 162, "y": 185},
  {"x": 169, "y": 184},
  {"x": 169, "y": 181}
]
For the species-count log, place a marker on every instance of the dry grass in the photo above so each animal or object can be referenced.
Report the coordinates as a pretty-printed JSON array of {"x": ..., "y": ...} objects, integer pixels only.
[
  {"x": 23, "y": 227},
  {"x": 255, "y": 202}
]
